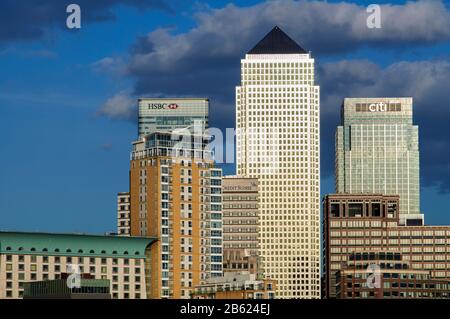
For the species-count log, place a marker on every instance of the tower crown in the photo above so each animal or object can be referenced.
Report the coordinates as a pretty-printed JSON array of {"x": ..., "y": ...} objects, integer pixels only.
[{"x": 277, "y": 42}]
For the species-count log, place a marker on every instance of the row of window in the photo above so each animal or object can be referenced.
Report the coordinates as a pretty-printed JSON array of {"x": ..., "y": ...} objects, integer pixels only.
[
  {"x": 68, "y": 250},
  {"x": 56, "y": 259}
]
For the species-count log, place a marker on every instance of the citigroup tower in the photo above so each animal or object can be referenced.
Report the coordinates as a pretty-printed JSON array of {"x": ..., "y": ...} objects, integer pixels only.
[{"x": 377, "y": 151}]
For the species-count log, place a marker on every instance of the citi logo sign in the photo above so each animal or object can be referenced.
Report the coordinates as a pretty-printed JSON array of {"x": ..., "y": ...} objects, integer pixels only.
[
  {"x": 172, "y": 106},
  {"x": 378, "y": 107}
]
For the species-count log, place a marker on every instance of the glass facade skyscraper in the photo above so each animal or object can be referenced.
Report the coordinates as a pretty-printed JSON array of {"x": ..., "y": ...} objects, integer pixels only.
[
  {"x": 377, "y": 151},
  {"x": 165, "y": 115}
]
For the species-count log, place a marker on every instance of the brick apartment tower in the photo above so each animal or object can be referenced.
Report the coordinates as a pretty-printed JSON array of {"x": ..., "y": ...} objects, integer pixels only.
[{"x": 175, "y": 194}]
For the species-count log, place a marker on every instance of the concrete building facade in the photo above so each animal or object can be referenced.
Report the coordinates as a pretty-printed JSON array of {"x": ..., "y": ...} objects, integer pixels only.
[
  {"x": 278, "y": 142},
  {"x": 240, "y": 224},
  {"x": 368, "y": 224},
  {"x": 395, "y": 279}
]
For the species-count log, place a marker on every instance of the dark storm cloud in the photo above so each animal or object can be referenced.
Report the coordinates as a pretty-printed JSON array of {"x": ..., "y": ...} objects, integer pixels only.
[
  {"x": 426, "y": 81},
  {"x": 31, "y": 19},
  {"x": 204, "y": 61}
]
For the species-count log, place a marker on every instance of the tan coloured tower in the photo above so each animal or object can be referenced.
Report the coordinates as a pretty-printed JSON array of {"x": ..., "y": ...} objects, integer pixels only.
[{"x": 277, "y": 120}]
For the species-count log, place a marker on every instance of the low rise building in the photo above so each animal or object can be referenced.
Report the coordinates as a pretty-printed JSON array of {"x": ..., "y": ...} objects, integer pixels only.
[
  {"x": 369, "y": 224},
  {"x": 383, "y": 274},
  {"x": 238, "y": 285},
  {"x": 31, "y": 257},
  {"x": 86, "y": 288}
]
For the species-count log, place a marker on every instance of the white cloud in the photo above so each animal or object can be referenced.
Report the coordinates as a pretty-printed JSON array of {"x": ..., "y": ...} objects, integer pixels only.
[
  {"x": 120, "y": 106},
  {"x": 110, "y": 65},
  {"x": 223, "y": 35}
]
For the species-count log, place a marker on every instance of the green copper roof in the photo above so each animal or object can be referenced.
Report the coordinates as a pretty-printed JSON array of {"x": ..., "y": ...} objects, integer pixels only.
[{"x": 73, "y": 245}]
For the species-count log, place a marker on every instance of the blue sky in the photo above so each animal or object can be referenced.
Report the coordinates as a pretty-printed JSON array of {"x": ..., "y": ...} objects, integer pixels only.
[{"x": 65, "y": 155}]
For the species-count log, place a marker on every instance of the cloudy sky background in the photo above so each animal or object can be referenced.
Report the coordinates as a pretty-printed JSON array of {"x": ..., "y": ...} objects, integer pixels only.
[{"x": 67, "y": 97}]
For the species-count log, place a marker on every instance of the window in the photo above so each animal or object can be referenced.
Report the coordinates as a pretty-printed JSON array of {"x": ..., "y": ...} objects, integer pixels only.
[
  {"x": 376, "y": 209},
  {"x": 335, "y": 210},
  {"x": 355, "y": 210}
]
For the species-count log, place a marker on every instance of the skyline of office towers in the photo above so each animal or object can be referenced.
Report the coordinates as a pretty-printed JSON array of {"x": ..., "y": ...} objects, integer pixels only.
[
  {"x": 175, "y": 196},
  {"x": 277, "y": 122},
  {"x": 240, "y": 223},
  {"x": 377, "y": 151},
  {"x": 167, "y": 114}
]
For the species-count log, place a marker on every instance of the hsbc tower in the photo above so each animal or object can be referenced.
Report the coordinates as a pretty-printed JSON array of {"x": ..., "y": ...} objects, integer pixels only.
[{"x": 167, "y": 114}]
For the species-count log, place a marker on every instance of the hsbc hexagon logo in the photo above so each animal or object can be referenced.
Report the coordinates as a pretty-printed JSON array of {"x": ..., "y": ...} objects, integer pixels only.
[{"x": 172, "y": 106}]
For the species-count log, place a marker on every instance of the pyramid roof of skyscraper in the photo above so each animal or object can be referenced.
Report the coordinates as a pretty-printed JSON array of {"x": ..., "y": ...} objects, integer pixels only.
[{"x": 277, "y": 42}]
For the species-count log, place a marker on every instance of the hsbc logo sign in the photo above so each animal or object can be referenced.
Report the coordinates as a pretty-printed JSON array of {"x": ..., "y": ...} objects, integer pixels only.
[
  {"x": 156, "y": 106},
  {"x": 161, "y": 106}
]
